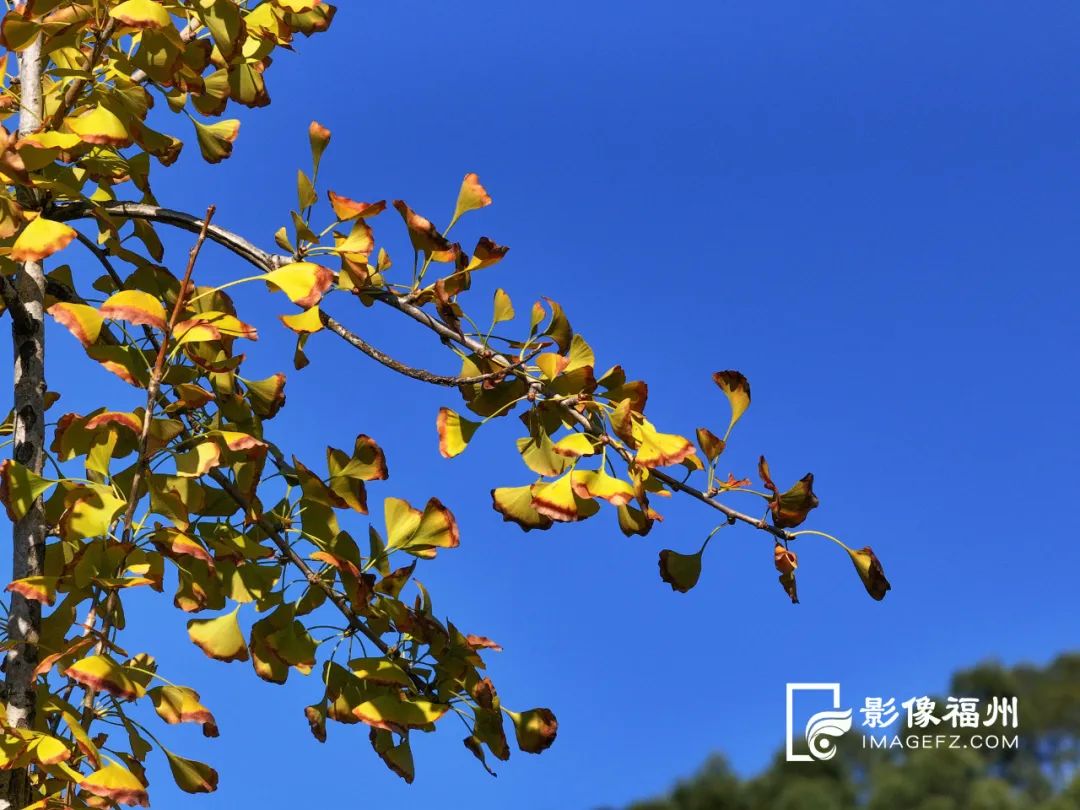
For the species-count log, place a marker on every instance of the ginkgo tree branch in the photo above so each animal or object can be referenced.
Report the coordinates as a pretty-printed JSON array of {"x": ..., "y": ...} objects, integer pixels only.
[
  {"x": 355, "y": 623},
  {"x": 158, "y": 371},
  {"x": 28, "y": 534},
  {"x": 448, "y": 380},
  {"x": 84, "y": 61},
  {"x": 508, "y": 365}
]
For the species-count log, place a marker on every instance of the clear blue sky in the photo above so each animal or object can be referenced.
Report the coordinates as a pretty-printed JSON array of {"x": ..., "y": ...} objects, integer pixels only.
[{"x": 868, "y": 208}]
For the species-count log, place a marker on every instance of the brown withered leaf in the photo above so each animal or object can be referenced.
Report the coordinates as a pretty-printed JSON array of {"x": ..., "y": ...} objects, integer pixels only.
[
  {"x": 870, "y": 572},
  {"x": 711, "y": 445},
  {"x": 425, "y": 237},
  {"x": 346, "y": 209},
  {"x": 786, "y": 563},
  {"x": 789, "y": 509}
]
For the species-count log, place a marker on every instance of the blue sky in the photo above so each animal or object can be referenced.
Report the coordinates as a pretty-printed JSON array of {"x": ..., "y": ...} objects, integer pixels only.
[{"x": 870, "y": 209}]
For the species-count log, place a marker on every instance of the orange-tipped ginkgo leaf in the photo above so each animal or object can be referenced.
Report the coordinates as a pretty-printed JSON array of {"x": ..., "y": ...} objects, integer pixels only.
[
  {"x": 219, "y": 638},
  {"x": 37, "y": 589},
  {"x": 391, "y": 713},
  {"x": 657, "y": 449},
  {"x": 455, "y": 432},
  {"x": 100, "y": 127},
  {"x": 303, "y": 282},
  {"x": 437, "y": 529},
  {"x": 40, "y": 239},
  {"x": 135, "y": 306},
  {"x": 83, "y": 321},
  {"x": 216, "y": 140},
  {"x": 178, "y": 704},
  {"x": 558, "y": 501},
  {"x": 318, "y": 135},
  {"x": 298, "y": 7},
  {"x": 117, "y": 784},
  {"x": 598, "y": 484},
  {"x": 103, "y": 674},
  {"x": 424, "y": 235},
  {"x": 141, "y": 14},
  {"x": 471, "y": 196},
  {"x": 711, "y": 444},
  {"x": 486, "y": 254},
  {"x": 192, "y": 776},
  {"x": 346, "y": 209},
  {"x": 515, "y": 504},
  {"x": 737, "y": 389},
  {"x": 397, "y": 758}
]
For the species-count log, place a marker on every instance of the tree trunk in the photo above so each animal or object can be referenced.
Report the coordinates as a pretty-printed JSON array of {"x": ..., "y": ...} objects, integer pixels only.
[{"x": 28, "y": 534}]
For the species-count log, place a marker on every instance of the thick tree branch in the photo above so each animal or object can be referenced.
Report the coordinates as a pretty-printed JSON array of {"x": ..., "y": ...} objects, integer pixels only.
[
  {"x": 420, "y": 374},
  {"x": 28, "y": 533},
  {"x": 270, "y": 261}
]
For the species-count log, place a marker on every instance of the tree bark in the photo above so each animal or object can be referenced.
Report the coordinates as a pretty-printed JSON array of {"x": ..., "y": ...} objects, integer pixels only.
[{"x": 28, "y": 534}]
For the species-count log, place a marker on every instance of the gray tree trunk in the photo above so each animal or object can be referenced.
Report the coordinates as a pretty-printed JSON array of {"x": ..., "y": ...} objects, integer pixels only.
[{"x": 28, "y": 534}]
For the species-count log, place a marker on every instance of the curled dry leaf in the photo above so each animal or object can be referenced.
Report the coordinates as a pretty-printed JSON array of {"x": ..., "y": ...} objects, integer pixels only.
[
  {"x": 786, "y": 563},
  {"x": 870, "y": 572},
  {"x": 424, "y": 235}
]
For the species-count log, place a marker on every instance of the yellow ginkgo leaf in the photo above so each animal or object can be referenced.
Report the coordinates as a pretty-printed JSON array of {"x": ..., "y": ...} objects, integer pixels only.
[
  {"x": 219, "y": 638},
  {"x": 657, "y": 449},
  {"x": 304, "y": 322},
  {"x": 141, "y": 14},
  {"x": 472, "y": 195},
  {"x": 103, "y": 674},
  {"x": 83, "y": 321},
  {"x": 216, "y": 140},
  {"x": 737, "y": 389},
  {"x": 390, "y": 713},
  {"x": 558, "y": 501},
  {"x": 515, "y": 505},
  {"x": 100, "y": 126},
  {"x": 117, "y": 784},
  {"x": 134, "y": 306},
  {"x": 41, "y": 239},
  {"x": 192, "y": 776},
  {"x": 455, "y": 431},
  {"x": 303, "y": 282}
]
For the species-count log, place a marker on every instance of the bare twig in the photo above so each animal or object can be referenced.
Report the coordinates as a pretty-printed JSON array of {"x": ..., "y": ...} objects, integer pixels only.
[{"x": 154, "y": 385}]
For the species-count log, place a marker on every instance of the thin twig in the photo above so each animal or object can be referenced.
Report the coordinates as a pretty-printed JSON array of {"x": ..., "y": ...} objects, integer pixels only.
[
  {"x": 74, "y": 90},
  {"x": 154, "y": 385}
]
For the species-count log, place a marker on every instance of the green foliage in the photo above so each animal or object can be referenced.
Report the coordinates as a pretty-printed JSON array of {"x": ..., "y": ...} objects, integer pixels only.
[{"x": 1040, "y": 774}]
